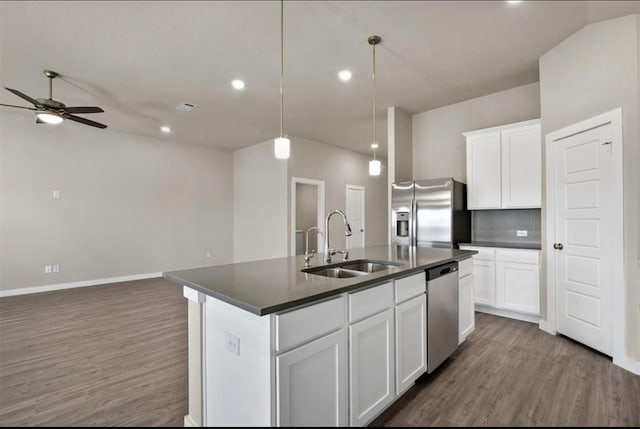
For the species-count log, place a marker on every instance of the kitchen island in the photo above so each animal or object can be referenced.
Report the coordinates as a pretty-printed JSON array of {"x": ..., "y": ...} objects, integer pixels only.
[{"x": 272, "y": 345}]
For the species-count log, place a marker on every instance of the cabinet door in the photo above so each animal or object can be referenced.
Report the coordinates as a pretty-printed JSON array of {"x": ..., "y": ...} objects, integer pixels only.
[
  {"x": 466, "y": 314},
  {"x": 311, "y": 387},
  {"x": 411, "y": 342},
  {"x": 371, "y": 366},
  {"x": 484, "y": 282},
  {"x": 518, "y": 287},
  {"x": 483, "y": 171},
  {"x": 521, "y": 167}
]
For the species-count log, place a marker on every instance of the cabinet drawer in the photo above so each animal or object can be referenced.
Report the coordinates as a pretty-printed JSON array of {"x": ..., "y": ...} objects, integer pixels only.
[
  {"x": 518, "y": 256},
  {"x": 370, "y": 301},
  {"x": 411, "y": 286},
  {"x": 465, "y": 268},
  {"x": 299, "y": 326}
]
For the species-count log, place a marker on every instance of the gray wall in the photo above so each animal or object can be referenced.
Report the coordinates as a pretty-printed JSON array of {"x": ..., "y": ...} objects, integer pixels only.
[
  {"x": 438, "y": 143},
  {"x": 129, "y": 204},
  {"x": 593, "y": 71},
  {"x": 339, "y": 168},
  {"x": 259, "y": 204}
]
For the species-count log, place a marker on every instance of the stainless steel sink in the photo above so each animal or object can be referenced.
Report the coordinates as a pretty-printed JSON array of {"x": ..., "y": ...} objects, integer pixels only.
[
  {"x": 338, "y": 273},
  {"x": 348, "y": 269},
  {"x": 368, "y": 266}
]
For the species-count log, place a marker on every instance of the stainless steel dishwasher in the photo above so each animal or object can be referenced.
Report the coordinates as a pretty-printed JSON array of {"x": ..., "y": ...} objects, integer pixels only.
[{"x": 442, "y": 314}]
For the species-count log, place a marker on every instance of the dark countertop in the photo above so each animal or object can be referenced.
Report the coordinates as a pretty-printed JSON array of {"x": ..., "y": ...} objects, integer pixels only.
[
  {"x": 508, "y": 245},
  {"x": 271, "y": 285}
]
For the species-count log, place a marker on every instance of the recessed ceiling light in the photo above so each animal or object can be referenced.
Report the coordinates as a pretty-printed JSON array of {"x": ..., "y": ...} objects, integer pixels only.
[
  {"x": 514, "y": 1},
  {"x": 344, "y": 75},
  {"x": 237, "y": 84},
  {"x": 165, "y": 129},
  {"x": 374, "y": 145}
]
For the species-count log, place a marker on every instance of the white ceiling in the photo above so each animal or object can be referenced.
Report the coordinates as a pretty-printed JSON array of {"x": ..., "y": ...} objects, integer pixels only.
[{"x": 138, "y": 60}]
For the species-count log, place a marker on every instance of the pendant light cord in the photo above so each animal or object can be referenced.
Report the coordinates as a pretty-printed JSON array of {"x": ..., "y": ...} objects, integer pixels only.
[
  {"x": 374, "y": 99},
  {"x": 281, "y": 67}
]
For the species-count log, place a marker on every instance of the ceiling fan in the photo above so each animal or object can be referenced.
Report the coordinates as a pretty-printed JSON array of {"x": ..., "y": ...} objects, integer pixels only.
[{"x": 51, "y": 111}]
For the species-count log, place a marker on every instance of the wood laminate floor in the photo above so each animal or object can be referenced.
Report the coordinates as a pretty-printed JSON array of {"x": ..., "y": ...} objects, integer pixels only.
[
  {"x": 116, "y": 355},
  {"x": 111, "y": 355}
]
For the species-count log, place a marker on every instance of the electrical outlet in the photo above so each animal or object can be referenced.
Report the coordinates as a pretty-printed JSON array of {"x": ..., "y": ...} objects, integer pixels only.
[
  {"x": 56, "y": 194},
  {"x": 522, "y": 233},
  {"x": 207, "y": 255},
  {"x": 48, "y": 269},
  {"x": 56, "y": 268},
  {"x": 233, "y": 344}
]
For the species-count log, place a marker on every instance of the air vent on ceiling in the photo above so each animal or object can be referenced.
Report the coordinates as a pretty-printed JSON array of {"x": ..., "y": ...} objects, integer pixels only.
[{"x": 186, "y": 107}]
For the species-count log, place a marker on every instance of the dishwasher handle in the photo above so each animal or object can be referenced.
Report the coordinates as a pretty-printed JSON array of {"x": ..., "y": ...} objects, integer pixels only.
[{"x": 442, "y": 270}]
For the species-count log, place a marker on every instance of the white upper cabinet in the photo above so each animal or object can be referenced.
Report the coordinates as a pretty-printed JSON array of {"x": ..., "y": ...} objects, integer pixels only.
[
  {"x": 504, "y": 167},
  {"x": 483, "y": 171}
]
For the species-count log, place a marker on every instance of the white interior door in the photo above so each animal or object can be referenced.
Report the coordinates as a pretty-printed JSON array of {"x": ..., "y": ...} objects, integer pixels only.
[
  {"x": 355, "y": 215},
  {"x": 585, "y": 214}
]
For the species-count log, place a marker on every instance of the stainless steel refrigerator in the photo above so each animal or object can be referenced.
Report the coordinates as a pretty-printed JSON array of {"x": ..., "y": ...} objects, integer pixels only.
[{"x": 430, "y": 213}]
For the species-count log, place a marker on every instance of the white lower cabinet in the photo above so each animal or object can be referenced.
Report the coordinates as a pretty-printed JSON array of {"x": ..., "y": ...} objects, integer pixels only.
[
  {"x": 371, "y": 367},
  {"x": 484, "y": 282},
  {"x": 466, "y": 309},
  {"x": 518, "y": 287},
  {"x": 507, "y": 282},
  {"x": 311, "y": 386},
  {"x": 411, "y": 345}
]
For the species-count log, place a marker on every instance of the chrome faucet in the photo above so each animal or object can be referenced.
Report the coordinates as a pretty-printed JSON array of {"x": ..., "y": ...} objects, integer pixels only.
[
  {"x": 328, "y": 251},
  {"x": 307, "y": 255}
]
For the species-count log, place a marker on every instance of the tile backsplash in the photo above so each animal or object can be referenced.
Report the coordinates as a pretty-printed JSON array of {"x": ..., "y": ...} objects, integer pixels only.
[{"x": 503, "y": 225}]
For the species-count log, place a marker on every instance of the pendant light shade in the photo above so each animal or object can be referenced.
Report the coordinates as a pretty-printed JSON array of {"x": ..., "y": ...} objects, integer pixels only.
[
  {"x": 375, "y": 166},
  {"x": 282, "y": 145}
]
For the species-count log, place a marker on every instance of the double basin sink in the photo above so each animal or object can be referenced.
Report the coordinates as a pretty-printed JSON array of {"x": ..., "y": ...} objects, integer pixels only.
[{"x": 347, "y": 269}]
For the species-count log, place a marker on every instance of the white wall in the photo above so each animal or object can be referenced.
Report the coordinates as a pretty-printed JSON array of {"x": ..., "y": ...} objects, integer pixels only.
[
  {"x": 339, "y": 168},
  {"x": 259, "y": 204},
  {"x": 129, "y": 204},
  {"x": 593, "y": 71},
  {"x": 438, "y": 143}
]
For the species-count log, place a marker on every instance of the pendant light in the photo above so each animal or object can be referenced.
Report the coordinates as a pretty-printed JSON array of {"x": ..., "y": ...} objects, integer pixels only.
[
  {"x": 281, "y": 144},
  {"x": 375, "y": 166}
]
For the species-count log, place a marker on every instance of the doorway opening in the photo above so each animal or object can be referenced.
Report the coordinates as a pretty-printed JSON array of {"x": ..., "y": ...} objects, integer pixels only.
[{"x": 307, "y": 210}]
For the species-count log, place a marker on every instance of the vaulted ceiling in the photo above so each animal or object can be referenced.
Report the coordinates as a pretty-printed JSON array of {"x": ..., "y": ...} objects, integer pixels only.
[{"x": 139, "y": 60}]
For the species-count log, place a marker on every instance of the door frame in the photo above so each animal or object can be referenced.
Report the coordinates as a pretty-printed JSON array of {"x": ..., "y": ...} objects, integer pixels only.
[
  {"x": 618, "y": 293},
  {"x": 364, "y": 211},
  {"x": 319, "y": 206}
]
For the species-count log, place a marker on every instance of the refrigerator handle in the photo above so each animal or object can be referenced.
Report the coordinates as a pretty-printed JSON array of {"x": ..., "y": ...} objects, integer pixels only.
[{"x": 414, "y": 223}]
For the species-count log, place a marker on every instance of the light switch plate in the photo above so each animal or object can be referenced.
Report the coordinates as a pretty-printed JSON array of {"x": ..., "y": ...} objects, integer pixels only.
[{"x": 522, "y": 233}]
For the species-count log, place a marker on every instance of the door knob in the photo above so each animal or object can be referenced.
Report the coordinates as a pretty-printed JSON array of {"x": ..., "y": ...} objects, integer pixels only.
[
  {"x": 558, "y": 246},
  {"x": 362, "y": 230}
]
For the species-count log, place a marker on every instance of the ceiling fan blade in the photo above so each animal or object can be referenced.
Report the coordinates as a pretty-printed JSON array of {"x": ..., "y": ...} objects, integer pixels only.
[
  {"x": 83, "y": 121},
  {"x": 23, "y": 96},
  {"x": 85, "y": 109},
  {"x": 19, "y": 107}
]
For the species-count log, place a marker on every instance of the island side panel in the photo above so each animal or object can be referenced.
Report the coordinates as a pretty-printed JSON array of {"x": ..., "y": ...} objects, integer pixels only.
[
  {"x": 195, "y": 300},
  {"x": 237, "y": 368}
]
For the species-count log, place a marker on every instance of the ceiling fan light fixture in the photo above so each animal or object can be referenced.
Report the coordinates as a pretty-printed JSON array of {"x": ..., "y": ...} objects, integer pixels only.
[{"x": 49, "y": 118}]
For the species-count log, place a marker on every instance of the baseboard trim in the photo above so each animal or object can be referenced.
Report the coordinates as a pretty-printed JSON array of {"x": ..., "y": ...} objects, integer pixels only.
[
  {"x": 84, "y": 283},
  {"x": 633, "y": 366},
  {"x": 507, "y": 313},
  {"x": 546, "y": 327},
  {"x": 189, "y": 422}
]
